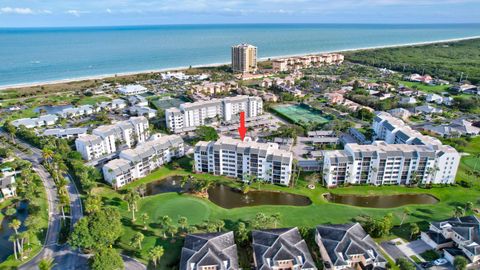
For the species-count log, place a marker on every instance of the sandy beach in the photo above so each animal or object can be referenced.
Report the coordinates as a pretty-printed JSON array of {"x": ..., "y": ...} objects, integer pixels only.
[{"x": 105, "y": 76}]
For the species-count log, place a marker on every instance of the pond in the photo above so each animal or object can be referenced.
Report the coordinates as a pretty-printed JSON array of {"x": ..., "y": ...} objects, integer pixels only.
[
  {"x": 51, "y": 109},
  {"x": 228, "y": 197},
  {"x": 5, "y": 232},
  {"x": 381, "y": 201}
]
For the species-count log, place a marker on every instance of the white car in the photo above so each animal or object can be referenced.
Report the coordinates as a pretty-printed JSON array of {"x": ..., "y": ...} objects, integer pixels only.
[{"x": 440, "y": 261}]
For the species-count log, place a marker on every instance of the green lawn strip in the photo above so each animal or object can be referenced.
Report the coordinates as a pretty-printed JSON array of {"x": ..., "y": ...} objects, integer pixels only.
[
  {"x": 415, "y": 259},
  {"x": 436, "y": 89}
]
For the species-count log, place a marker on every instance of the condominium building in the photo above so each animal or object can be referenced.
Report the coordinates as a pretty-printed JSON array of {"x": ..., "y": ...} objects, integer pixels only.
[
  {"x": 132, "y": 89},
  {"x": 140, "y": 161},
  {"x": 191, "y": 115},
  {"x": 297, "y": 63},
  {"x": 41, "y": 121},
  {"x": 403, "y": 156},
  {"x": 244, "y": 58},
  {"x": 378, "y": 164},
  {"x": 281, "y": 249},
  {"x": 244, "y": 160},
  {"x": 66, "y": 133},
  {"x": 83, "y": 110},
  {"x": 211, "y": 88},
  {"x": 106, "y": 139},
  {"x": 209, "y": 251}
]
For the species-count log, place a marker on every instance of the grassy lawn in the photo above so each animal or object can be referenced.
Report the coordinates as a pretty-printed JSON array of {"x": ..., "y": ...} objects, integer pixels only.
[
  {"x": 437, "y": 89},
  {"x": 92, "y": 100},
  {"x": 470, "y": 162},
  {"x": 198, "y": 210},
  {"x": 37, "y": 241}
]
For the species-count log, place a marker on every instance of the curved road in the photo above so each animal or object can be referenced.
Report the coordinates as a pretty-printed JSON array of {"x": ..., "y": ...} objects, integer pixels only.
[{"x": 64, "y": 257}]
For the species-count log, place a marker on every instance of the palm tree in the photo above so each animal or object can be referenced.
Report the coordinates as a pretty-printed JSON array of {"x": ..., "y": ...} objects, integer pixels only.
[
  {"x": 145, "y": 218},
  {"x": 137, "y": 240},
  {"x": 220, "y": 224},
  {"x": 155, "y": 254},
  {"x": 13, "y": 239},
  {"x": 15, "y": 225},
  {"x": 183, "y": 222},
  {"x": 63, "y": 201},
  {"x": 468, "y": 206},
  {"x": 414, "y": 230},
  {"x": 11, "y": 129},
  {"x": 142, "y": 190},
  {"x": 275, "y": 218},
  {"x": 165, "y": 222},
  {"x": 131, "y": 198},
  {"x": 406, "y": 212},
  {"x": 458, "y": 212},
  {"x": 46, "y": 264},
  {"x": 414, "y": 178},
  {"x": 47, "y": 155},
  {"x": 172, "y": 230}
]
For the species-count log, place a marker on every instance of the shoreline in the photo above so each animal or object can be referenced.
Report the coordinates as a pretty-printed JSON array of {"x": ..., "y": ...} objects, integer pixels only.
[{"x": 131, "y": 73}]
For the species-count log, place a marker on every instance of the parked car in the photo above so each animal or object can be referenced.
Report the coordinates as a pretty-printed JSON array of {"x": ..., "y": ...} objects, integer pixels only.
[
  {"x": 426, "y": 264},
  {"x": 440, "y": 261}
]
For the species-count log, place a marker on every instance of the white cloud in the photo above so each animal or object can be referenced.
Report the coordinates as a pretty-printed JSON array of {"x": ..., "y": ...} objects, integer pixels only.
[
  {"x": 21, "y": 11},
  {"x": 108, "y": 10},
  {"x": 76, "y": 12},
  {"x": 73, "y": 12}
]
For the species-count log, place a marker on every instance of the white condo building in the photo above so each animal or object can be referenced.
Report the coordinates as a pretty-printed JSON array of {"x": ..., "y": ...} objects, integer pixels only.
[
  {"x": 140, "y": 161},
  {"x": 191, "y": 115},
  {"x": 244, "y": 160},
  {"x": 106, "y": 139},
  {"x": 401, "y": 156},
  {"x": 132, "y": 89}
]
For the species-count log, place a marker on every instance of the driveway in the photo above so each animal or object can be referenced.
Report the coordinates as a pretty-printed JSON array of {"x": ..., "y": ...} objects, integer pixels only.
[{"x": 414, "y": 248}]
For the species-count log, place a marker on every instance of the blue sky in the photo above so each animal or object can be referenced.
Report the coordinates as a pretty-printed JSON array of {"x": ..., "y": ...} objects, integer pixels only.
[{"x": 28, "y": 13}]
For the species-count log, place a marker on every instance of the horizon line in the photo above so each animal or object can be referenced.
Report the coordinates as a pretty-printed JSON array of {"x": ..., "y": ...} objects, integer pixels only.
[{"x": 233, "y": 24}]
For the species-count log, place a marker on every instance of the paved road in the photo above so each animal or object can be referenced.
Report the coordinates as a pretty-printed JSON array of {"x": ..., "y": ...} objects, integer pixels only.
[{"x": 64, "y": 256}]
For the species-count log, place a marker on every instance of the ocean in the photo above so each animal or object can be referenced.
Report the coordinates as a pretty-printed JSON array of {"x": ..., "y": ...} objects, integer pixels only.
[{"x": 30, "y": 55}]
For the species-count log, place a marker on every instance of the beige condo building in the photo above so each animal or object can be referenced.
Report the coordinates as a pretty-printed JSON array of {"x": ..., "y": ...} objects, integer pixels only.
[{"x": 244, "y": 58}]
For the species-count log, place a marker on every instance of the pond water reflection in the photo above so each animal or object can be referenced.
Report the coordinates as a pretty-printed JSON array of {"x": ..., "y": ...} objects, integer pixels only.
[{"x": 228, "y": 197}]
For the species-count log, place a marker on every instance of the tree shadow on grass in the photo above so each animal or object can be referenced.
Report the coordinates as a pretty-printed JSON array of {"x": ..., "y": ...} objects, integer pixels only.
[
  {"x": 425, "y": 210},
  {"x": 421, "y": 216},
  {"x": 456, "y": 204},
  {"x": 113, "y": 201}
]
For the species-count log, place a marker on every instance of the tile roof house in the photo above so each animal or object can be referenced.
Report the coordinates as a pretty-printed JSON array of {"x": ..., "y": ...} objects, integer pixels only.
[
  {"x": 348, "y": 246},
  {"x": 211, "y": 251},
  {"x": 281, "y": 249},
  {"x": 456, "y": 236}
]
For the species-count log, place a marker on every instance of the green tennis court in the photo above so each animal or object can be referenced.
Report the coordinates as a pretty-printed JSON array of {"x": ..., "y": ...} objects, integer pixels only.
[{"x": 301, "y": 114}]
